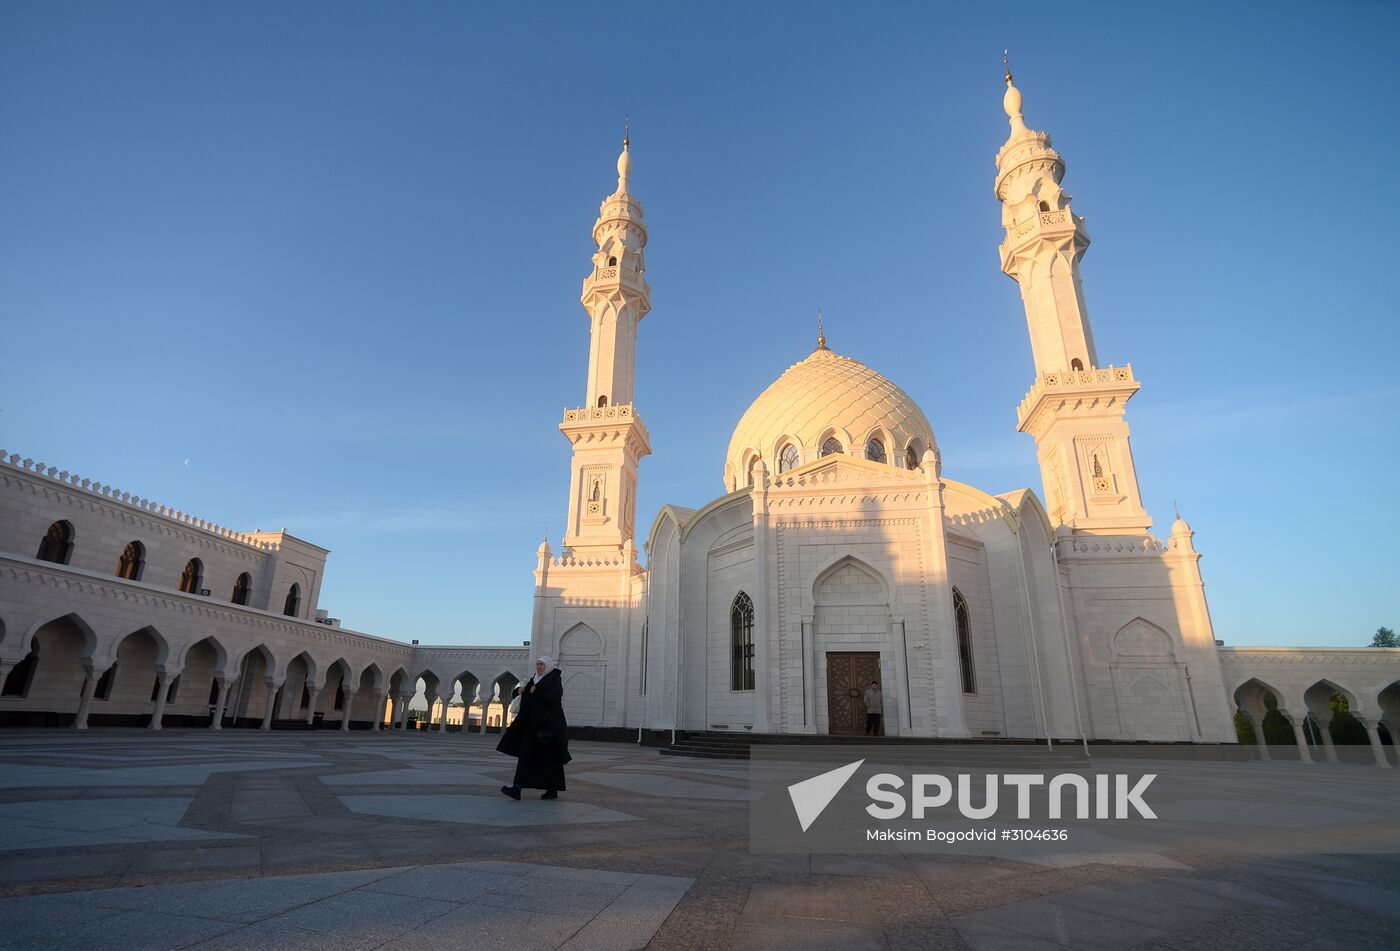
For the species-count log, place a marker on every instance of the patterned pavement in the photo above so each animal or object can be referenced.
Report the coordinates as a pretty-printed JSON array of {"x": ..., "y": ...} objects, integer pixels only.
[{"x": 123, "y": 839}]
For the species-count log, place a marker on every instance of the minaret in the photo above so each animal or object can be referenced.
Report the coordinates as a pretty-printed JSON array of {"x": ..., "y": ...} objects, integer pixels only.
[
  {"x": 1075, "y": 408},
  {"x": 607, "y": 434}
]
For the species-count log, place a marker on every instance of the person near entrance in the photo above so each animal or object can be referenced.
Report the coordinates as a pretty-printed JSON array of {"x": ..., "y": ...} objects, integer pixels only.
[{"x": 874, "y": 708}]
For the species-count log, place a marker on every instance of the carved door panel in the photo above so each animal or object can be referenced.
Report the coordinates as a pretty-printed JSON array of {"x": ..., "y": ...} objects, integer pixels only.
[{"x": 847, "y": 676}]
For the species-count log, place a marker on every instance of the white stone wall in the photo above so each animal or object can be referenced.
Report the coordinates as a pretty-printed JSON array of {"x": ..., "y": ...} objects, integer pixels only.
[
  {"x": 1120, "y": 584},
  {"x": 968, "y": 570},
  {"x": 730, "y": 570}
]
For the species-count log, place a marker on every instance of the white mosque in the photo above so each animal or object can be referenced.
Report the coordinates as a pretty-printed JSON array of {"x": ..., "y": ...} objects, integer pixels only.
[{"x": 839, "y": 552}]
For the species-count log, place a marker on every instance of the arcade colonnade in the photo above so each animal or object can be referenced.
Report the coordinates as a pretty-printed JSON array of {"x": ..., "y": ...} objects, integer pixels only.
[{"x": 1300, "y": 683}]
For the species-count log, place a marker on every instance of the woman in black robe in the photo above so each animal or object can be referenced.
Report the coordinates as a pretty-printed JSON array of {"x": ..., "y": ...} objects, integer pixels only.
[{"x": 539, "y": 735}]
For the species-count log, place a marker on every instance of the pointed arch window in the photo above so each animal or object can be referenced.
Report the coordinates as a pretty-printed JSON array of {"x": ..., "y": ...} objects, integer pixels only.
[
  {"x": 292, "y": 606},
  {"x": 192, "y": 576},
  {"x": 242, "y": 588},
  {"x": 752, "y": 476},
  {"x": 964, "y": 622},
  {"x": 57, "y": 543},
  {"x": 741, "y": 676},
  {"x": 789, "y": 458},
  {"x": 602, "y": 402},
  {"x": 831, "y": 447},
  {"x": 875, "y": 450},
  {"x": 133, "y": 559},
  {"x": 1076, "y": 364}
]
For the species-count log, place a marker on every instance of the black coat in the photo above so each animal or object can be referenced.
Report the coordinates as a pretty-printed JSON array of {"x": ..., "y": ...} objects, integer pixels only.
[{"x": 539, "y": 735}]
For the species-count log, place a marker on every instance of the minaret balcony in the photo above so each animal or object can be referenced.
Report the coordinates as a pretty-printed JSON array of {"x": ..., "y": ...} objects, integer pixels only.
[
  {"x": 617, "y": 274},
  {"x": 588, "y": 414},
  {"x": 619, "y": 422},
  {"x": 1096, "y": 386}
]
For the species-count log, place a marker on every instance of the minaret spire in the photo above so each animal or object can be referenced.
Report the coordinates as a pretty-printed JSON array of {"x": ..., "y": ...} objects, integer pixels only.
[
  {"x": 821, "y": 332},
  {"x": 1075, "y": 409},
  {"x": 1011, "y": 102},
  {"x": 624, "y": 161}
]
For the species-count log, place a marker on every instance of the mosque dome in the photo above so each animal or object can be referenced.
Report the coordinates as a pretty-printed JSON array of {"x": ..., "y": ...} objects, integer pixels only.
[{"x": 827, "y": 403}]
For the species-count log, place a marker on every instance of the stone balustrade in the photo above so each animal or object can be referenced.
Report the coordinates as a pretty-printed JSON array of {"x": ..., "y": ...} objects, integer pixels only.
[
  {"x": 584, "y": 414},
  {"x": 1068, "y": 379}
]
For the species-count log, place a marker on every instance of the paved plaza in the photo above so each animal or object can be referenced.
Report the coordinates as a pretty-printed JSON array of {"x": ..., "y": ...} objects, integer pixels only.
[{"x": 124, "y": 839}]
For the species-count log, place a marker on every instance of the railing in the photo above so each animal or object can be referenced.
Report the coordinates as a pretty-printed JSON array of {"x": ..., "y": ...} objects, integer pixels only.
[
  {"x": 1045, "y": 219},
  {"x": 585, "y": 414},
  {"x": 1070, "y": 379},
  {"x": 618, "y": 273}
]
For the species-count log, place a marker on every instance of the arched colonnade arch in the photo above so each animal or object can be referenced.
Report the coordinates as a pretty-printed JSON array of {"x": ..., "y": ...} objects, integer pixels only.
[
  {"x": 67, "y": 670},
  {"x": 1312, "y": 706}
]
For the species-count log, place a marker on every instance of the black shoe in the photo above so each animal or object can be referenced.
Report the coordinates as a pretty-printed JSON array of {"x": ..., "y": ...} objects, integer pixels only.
[
  {"x": 512, "y": 791},
  {"x": 551, "y": 794}
]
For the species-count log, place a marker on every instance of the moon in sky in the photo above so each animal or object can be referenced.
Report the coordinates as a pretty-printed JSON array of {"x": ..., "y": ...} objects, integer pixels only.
[{"x": 187, "y": 462}]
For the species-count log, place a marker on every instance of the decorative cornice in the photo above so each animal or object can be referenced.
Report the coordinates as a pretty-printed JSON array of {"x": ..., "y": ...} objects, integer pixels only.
[
  {"x": 185, "y": 607},
  {"x": 1310, "y": 656}
]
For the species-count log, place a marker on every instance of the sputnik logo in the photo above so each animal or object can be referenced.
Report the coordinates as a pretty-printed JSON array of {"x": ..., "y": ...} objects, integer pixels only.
[{"x": 811, "y": 796}]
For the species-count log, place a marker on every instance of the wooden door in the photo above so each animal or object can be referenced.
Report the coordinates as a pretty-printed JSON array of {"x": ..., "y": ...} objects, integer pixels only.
[{"x": 848, "y": 673}]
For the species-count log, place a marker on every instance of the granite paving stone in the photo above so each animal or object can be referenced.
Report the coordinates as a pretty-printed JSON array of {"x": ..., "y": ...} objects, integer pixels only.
[{"x": 312, "y": 839}]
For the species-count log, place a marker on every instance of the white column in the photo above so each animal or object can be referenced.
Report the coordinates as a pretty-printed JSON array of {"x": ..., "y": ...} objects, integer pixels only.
[
  {"x": 1299, "y": 737},
  {"x": 1377, "y": 750},
  {"x": 1258, "y": 724},
  {"x": 763, "y": 624},
  {"x": 90, "y": 678},
  {"x": 901, "y": 673},
  {"x": 157, "y": 715},
  {"x": 5, "y": 667},
  {"x": 217, "y": 723},
  {"x": 270, "y": 706},
  {"x": 346, "y": 709},
  {"x": 490, "y": 691},
  {"x": 442, "y": 716},
  {"x": 401, "y": 710},
  {"x": 381, "y": 709},
  {"x": 312, "y": 692},
  {"x": 947, "y": 700},
  {"x": 809, "y": 675},
  {"x": 1325, "y": 731}
]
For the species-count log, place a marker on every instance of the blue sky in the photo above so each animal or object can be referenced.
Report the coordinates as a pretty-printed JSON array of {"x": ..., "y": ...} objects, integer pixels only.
[{"x": 317, "y": 265}]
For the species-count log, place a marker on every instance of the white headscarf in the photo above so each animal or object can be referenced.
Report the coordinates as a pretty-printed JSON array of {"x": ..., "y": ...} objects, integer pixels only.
[{"x": 548, "y": 666}]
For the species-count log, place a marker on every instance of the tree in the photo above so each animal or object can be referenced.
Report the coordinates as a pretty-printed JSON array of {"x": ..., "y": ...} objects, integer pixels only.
[{"x": 1385, "y": 637}]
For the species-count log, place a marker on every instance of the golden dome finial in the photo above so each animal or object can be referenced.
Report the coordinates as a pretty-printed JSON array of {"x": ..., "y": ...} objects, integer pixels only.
[
  {"x": 626, "y": 132},
  {"x": 1005, "y": 63},
  {"x": 821, "y": 331}
]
